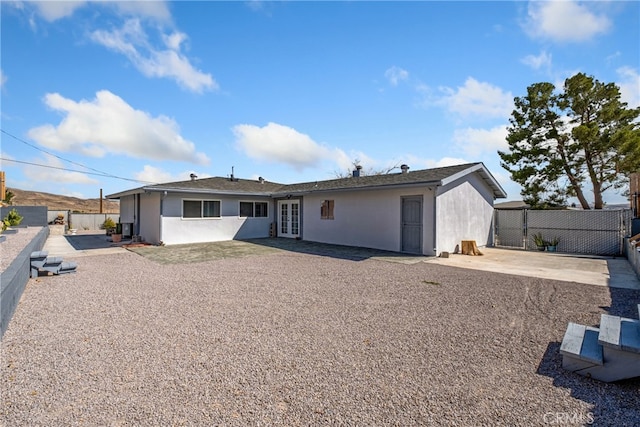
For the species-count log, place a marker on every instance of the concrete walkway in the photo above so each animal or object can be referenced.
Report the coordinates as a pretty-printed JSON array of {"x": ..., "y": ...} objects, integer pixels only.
[
  {"x": 82, "y": 244},
  {"x": 614, "y": 272}
]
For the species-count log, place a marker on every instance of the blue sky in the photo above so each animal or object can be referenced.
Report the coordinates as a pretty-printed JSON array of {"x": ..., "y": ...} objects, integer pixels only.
[{"x": 290, "y": 91}]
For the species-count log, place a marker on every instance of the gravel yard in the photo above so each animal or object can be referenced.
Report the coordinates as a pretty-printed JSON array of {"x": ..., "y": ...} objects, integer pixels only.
[{"x": 300, "y": 339}]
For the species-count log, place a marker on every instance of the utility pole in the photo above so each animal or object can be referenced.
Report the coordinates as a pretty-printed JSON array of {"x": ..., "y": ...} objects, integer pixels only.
[
  {"x": 3, "y": 189},
  {"x": 101, "y": 201}
]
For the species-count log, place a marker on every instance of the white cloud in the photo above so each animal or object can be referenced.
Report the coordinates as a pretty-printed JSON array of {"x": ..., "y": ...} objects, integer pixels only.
[
  {"x": 536, "y": 62},
  {"x": 3, "y": 78},
  {"x": 155, "y": 9},
  {"x": 629, "y": 83},
  {"x": 51, "y": 11},
  {"x": 474, "y": 142},
  {"x": 108, "y": 124},
  {"x": 168, "y": 62},
  {"x": 281, "y": 144},
  {"x": 55, "y": 173},
  {"x": 564, "y": 21},
  {"x": 395, "y": 75},
  {"x": 477, "y": 99}
]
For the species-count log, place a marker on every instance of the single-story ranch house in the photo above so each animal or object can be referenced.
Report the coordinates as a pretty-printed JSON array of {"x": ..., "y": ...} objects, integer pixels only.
[{"x": 423, "y": 212}]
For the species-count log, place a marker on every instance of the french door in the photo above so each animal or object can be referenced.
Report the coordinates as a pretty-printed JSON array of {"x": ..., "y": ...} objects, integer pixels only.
[{"x": 289, "y": 218}]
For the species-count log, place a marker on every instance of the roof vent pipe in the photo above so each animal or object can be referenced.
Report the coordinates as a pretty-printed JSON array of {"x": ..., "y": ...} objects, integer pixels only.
[
  {"x": 193, "y": 176},
  {"x": 261, "y": 179},
  {"x": 356, "y": 172},
  {"x": 404, "y": 168}
]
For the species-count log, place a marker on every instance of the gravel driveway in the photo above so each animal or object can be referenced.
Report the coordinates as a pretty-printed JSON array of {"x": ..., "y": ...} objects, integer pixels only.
[{"x": 300, "y": 339}]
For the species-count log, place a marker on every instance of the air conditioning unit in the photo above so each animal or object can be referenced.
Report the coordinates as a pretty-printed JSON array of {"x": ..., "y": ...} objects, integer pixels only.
[{"x": 127, "y": 229}]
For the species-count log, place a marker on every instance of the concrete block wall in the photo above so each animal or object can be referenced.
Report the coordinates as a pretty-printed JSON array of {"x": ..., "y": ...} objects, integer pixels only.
[
  {"x": 33, "y": 216},
  {"x": 14, "y": 279}
]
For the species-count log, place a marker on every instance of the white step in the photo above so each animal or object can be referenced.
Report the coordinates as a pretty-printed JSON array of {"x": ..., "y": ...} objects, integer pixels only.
[
  {"x": 619, "y": 333},
  {"x": 581, "y": 342}
]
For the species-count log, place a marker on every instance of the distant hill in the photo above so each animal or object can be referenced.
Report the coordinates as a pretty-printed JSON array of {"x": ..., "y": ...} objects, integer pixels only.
[{"x": 56, "y": 202}]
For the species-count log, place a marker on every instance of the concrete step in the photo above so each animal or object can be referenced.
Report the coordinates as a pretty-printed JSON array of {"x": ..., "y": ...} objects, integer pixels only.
[
  {"x": 581, "y": 342},
  {"x": 68, "y": 267},
  {"x": 38, "y": 258},
  {"x": 52, "y": 264},
  {"x": 619, "y": 333}
]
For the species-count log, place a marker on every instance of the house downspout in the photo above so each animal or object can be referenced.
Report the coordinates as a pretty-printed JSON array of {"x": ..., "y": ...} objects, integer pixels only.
[{"x": 435, "y": 219}]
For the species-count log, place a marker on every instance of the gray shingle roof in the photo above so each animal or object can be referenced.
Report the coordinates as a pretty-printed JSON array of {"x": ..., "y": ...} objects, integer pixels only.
[
  {"x": 265, "y": 188},
  {"x": 424, "y": 176}
]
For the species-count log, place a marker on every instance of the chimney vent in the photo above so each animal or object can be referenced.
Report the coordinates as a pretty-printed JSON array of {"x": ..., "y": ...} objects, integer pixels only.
[
  {"x": 193, "y": 176},
  {"x": 261, "y": 179},
  {"x": 404, "y": 168},
  {"x": 356, "y": 172}
]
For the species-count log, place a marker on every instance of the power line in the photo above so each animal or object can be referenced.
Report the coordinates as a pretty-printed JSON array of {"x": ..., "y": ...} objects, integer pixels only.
[
  {"x": 74, "y": 170},
  {"x": 55, "y": 155},
  {"x": 95, "y": 171}
]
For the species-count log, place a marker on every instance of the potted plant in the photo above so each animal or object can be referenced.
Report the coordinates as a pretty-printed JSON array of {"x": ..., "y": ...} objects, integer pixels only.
[
  {"x": 116, "y": 235},
  {"x": 13, "y": 219},
  {"x": 539, "y": 241},
  {"x": 109, "y": 225},
  {"x": 552, "y": 245}
]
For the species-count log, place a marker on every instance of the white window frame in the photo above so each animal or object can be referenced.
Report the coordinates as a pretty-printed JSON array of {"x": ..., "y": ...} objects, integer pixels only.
[{"x": 201, "y": 209}]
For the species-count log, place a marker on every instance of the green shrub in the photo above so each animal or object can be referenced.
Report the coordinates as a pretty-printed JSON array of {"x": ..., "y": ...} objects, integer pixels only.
[
  {"x": 13, "y": 218},
  {"x": 108, "y": 224}
]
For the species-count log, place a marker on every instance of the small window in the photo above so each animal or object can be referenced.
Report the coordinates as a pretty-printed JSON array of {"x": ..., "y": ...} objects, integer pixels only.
[
  {"x": 326, "y": 210},
  {"x": 254, "y": 209},
  {"x": 191, "y": 209},
  {"x": 201, "y": 209},
  {"x": 211, "y": 209},
  {"x": 261, "y": 209},
  {"x": 246, "y": 209}
]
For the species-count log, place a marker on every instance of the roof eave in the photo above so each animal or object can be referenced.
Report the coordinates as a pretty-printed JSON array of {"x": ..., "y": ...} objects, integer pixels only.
[
  {"x": 371, "y": 187},
  {"x": 207, "y": 191},
  {"x": 498, "y": 191}
]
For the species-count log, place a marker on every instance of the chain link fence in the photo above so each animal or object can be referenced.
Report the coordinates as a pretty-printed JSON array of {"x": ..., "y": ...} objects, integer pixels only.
[{"x": 595, "y": 232}]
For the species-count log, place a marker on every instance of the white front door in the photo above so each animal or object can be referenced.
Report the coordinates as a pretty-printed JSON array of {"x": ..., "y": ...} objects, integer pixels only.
[{"x": 288, "y": 218}]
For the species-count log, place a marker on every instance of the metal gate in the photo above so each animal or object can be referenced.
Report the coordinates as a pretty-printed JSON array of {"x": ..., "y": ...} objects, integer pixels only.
[{"x": 596, "y": 232}]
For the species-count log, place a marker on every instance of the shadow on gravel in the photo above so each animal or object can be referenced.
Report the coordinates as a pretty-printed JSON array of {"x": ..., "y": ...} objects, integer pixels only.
[
  {"x": 608, "y": 400},
  {"x": 201, "y": 252},
  {"x": 624, "y": 302},
  {"x": 351, "y": 253}
]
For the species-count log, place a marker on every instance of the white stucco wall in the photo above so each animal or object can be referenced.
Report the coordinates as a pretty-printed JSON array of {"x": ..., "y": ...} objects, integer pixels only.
[
  {"x": 127, "y": 209},
  {"x": 464, "y": 211},
  {"x": 365, "y": 218},
  {"x": 150, "y": 217},
  {"x": 230, "y": 226}
]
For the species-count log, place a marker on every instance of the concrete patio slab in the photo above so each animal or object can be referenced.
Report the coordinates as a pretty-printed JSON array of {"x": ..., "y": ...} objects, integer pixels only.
[{"x": 614, "y": 272}]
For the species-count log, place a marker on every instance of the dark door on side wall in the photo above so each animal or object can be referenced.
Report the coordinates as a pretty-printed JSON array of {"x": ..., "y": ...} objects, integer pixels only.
[{"x": 412, "y": 224}]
